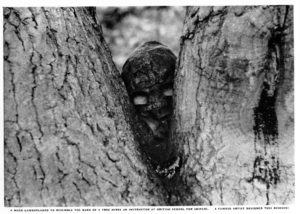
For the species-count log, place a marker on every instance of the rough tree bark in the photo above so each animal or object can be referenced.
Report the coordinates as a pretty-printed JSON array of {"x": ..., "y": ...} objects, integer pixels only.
[
  {"x": 234, "y": 120},
  {"x": 68, "y": 138},
  {"x": 70, "y": 132}
]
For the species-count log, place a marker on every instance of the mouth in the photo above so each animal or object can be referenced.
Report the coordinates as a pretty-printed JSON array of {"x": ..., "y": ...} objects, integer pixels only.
[{"x": 159, "y": 114}]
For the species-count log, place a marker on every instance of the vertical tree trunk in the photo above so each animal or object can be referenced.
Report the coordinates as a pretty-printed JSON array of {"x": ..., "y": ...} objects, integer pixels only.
[
  {"x": 71, "y": 136},
  {"x": 234, "y": 117},
  {"x": 68, "y": 140}
]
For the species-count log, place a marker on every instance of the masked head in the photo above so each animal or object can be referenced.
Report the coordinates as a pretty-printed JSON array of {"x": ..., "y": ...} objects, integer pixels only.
[{"x": 148, "y": 75}]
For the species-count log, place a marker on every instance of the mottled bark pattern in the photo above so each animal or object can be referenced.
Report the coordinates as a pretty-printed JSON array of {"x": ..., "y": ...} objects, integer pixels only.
[
  {"x": 67, "y": 136},
  {"x": 234, "y": 119}
]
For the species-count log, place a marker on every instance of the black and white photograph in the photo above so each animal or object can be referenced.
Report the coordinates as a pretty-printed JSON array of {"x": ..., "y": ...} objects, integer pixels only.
[{"x": 148, "y": 106}]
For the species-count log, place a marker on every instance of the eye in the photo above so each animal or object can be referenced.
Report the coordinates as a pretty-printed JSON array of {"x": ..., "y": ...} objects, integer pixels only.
[
  {"x": 168, "y": 92},
  {"x": 140, "y": 100}
]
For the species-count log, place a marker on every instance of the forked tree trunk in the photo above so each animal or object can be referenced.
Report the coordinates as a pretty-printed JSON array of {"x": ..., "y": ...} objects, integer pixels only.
[
  {"x": 234, "y": 117},
  {"x": 68, "y": 140},
  {"x": 71, "y": 137}
]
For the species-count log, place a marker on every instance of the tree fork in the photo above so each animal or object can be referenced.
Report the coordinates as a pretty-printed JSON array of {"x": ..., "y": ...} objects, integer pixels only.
[{"x": 71, "y": 135}]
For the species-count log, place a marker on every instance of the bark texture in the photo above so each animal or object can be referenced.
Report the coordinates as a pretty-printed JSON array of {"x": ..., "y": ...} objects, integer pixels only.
[
  {"x": 234, "y": 117},
  {"x": 68, "y": 140}
]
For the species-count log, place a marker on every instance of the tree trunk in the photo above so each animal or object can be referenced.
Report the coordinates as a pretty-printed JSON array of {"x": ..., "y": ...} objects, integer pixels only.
[
  {"x": 234, "y": 120},
  {"x": 71, "y": 135},
  {"x": 68, "y": 136}
]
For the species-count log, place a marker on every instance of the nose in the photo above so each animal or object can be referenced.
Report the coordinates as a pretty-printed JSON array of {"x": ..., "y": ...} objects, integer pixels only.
[
  {"x": 152, "y": 124},
  {"x": 163, "y": 113}
]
